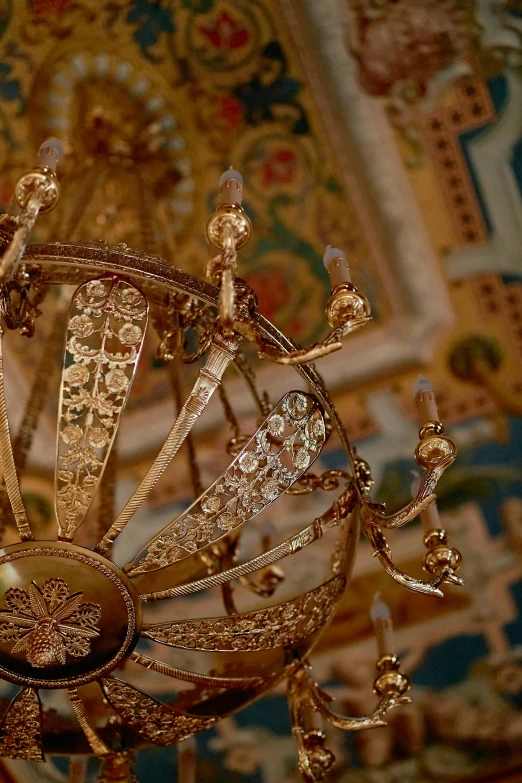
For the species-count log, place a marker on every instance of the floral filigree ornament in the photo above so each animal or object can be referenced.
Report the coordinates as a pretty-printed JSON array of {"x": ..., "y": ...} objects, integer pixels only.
[
  {"x": 281, "y": 450},
  {"x": 48, "y": 623},
  {"x": 105, "y": 335}
]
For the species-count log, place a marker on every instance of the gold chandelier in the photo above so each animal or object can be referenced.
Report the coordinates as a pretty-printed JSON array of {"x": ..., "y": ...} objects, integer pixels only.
[{"x": 70, "y": 618}]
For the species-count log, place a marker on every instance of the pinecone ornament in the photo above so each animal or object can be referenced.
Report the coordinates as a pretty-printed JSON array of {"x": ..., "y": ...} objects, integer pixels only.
[{"x": 45, "y": 647}]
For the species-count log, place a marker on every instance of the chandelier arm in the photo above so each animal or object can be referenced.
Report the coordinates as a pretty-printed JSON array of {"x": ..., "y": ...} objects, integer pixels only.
[
  {"x": 219, "y": 357},
  {"x": 339, "y": 510},
  {"x": 255, "y": 478},
  {"x": 82, "y": 257},
  {"x": 298, "y": 702},
  {"x": 7, "y": 461},
  {"x": 97, "y": 744},
  {"x": 205, "y": 680},
  {"x": 25, "y": 222},
  {"x": 374, "y": 516},
  {"x": 280, "y": 625},
  {"x": 153, "y": 721}
]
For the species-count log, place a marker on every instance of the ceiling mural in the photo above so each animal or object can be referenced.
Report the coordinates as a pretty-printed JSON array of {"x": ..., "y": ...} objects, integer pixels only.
[{"x": 391, "y": 129}]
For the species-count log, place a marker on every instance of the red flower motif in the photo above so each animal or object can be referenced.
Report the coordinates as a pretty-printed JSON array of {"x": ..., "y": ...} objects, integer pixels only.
[
  {"x": 231, "y": 111},
  {"x": 226, "y": 33},
  {"x": 272, "y": 289},
  {"x": 6, "y": 191},
  {"x": 279, "y": 167},
  {"x": 49, "y": 6}
]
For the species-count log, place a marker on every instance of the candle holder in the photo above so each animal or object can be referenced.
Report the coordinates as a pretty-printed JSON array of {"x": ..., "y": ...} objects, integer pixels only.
[{"x": 441, "y": 560}]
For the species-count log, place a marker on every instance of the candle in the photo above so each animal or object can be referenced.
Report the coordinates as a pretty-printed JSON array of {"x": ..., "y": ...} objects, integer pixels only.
[
  {"x": 382, "y": 622},
  {"x": 336, "y": 266},
  {"x": 50, "y": 153},
  {"x": 430, "y": 519},
  {"x": 230, "y": 187},
  {"x": 425, "y": 400}
]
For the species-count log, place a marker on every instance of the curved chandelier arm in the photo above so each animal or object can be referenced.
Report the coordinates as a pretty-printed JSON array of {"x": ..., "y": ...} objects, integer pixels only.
[
  {"x": 220, "y": 355},
  {"x": 339, "y": 510},
  {"x": 313, "y": 758},
  {"x": 97, "y": 744},
  {"x": 434, "y": 453},
  {"x": 7, "y": 461},
  {"x": 205, "y": 680},
  {"x": 285, "y": 445}
]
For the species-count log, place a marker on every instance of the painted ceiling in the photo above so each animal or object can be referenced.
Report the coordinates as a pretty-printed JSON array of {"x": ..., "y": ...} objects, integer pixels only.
[{"x": 390, "y": 128}]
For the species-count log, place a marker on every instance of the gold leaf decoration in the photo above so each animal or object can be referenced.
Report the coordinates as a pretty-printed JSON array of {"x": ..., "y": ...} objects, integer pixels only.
[
  {"x": 48, "y": 623},
  {"x": 283, "y": 447},
  {"x": 21, "y": 728},
  {"x": 285, "y": 624},
  {"x": 105, "y": 333},
  {"x": 152, "y": 720}
]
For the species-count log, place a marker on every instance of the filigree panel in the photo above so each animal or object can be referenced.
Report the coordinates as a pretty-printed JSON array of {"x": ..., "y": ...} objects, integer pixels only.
[
  {"x": 48, "y": 623},
  {"x": 152, "y": 720},
  {"x": 281, "y": 450},
  {"x": 282, "y": 625},
  {"x": 105, "y": 333},
  {"x": 21, "y": 730}
]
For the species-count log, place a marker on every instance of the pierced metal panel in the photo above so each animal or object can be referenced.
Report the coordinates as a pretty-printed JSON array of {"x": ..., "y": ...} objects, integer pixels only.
[
  {"x": 105, "y": 333},
  {"x": 285, "y": 445},
  {"x": 283, "y": 625}
]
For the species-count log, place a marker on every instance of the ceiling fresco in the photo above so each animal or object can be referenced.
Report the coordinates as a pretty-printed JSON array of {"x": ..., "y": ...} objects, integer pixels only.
[{"x": 392, "y": 129}]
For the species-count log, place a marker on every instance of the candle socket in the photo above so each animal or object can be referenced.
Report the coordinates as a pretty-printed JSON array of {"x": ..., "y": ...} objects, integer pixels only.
[
  {"x": 229, "y": 217},
  {"x": 391, "y": 683}
]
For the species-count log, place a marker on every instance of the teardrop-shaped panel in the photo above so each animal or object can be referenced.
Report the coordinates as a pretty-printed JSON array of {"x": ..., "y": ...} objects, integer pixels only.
[
  {"x": 105, "y": 332},
  {"x": 21, "y": 728}
]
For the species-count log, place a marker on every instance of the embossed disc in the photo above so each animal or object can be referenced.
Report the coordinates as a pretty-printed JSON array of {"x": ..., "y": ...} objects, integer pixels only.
[{"x": 67, "y": 615}]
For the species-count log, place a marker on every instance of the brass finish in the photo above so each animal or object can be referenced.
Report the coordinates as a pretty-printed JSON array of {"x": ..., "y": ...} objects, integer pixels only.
[
  {"x": 347, "y": 308},
  {"x": 283, "y": 625},
  {"x": 71, "y": 617},
  {"x": 284, "y": 446},
  {"x": 7, "y": 460},
  {"x": 87, "y": 600},
  {"x": 441, "y": 560},
  {"x": 98, "y": 746},
  {"x": 229, "y": 216},
  {"x": 152, "y": 720},
  {"x": 21, "y": 727},
  {"x": 390, "y": 684},
  {"x": 105, "y": 333}
]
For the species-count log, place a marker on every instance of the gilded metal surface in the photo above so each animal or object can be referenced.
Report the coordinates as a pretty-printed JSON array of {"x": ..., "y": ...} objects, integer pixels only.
[
  {"x": 7, "y": 461},
  {"x": 220, "y": 354},
  {"x": 91, "y": 603},
  {"x": 21, "y": 728},
  {"x": 283, "y": 447},
  {"x": 152, "y": 720},
  {"x": 105, "y": 333},
  {"x": 98, "y": 746},
  {"x": 48, "y": 623},
  {"x": 282, "y": 625},
  {"x": 333, "y": 516},
  {"x": 205, "y": 680}
]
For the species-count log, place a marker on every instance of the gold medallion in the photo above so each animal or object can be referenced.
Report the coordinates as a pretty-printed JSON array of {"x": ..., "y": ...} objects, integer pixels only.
[{"x": 68, "y": 615}]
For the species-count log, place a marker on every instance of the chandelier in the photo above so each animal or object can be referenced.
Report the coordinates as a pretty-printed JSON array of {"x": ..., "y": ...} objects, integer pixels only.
[{"x": 72, "y": 620}]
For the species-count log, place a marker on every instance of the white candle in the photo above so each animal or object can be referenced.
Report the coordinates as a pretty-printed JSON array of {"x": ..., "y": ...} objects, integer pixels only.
[
  {"x": 336, "y": 266},
  {"x": 382, "y": 622},
  {"x": 425, "y": 400},
  {"x": 50, "y": 153},
  {"x": 230, "y": 187}
]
